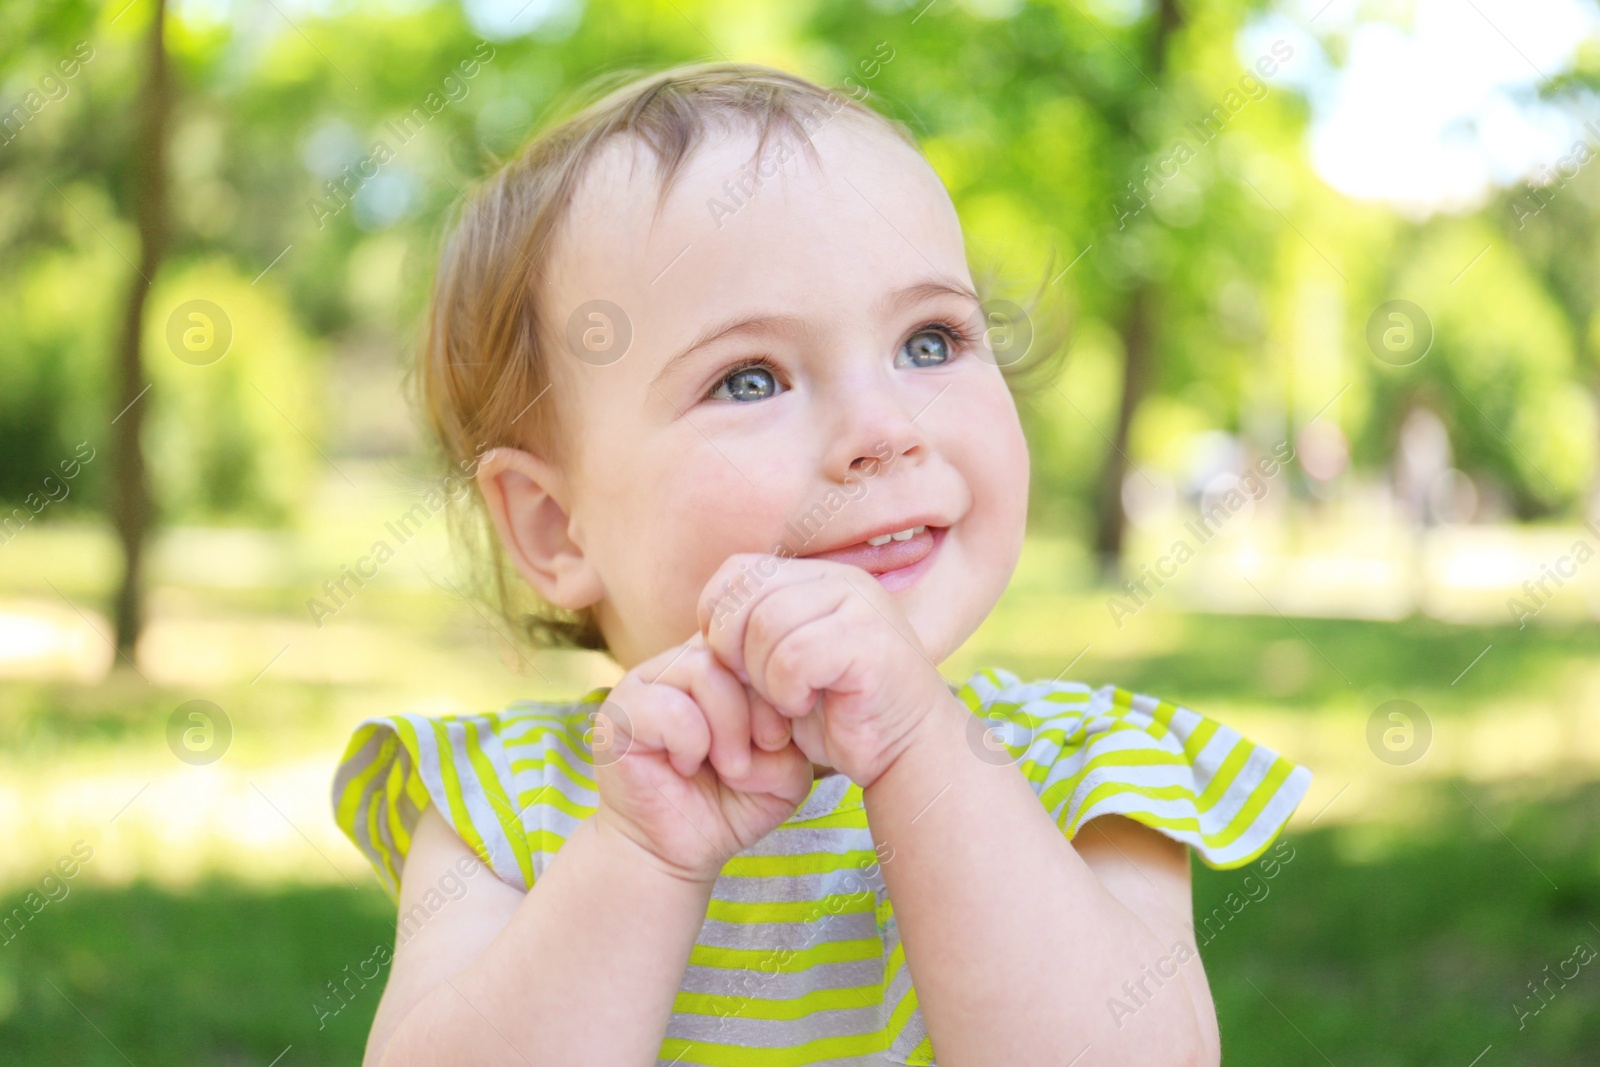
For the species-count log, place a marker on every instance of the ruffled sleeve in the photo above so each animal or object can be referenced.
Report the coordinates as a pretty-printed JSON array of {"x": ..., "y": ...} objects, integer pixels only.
[
  {"x": 1091, "y": 752},
  {"x": 513, "y": 785}
]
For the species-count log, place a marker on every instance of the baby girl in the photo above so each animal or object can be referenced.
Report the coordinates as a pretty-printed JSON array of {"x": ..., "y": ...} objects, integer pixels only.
[{"x": 712, "y": 348}]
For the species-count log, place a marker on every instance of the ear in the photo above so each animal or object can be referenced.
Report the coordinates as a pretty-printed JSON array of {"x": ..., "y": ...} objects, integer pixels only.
[{"x": 523, "y": 493}]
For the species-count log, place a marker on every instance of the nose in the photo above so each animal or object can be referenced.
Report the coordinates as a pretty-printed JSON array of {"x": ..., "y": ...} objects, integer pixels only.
[{"x": 872, "y": 425}]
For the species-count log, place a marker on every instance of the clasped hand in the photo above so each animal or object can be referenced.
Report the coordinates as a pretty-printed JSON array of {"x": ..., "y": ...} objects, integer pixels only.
[{"x": 708, "y": 746}]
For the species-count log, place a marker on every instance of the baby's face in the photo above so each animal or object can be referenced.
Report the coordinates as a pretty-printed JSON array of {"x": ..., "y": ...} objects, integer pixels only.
[{"x": 835, "y": 416}]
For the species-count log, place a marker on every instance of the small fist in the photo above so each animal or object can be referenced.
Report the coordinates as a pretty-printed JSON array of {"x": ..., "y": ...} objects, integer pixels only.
[
  {"x": 690, "y": 764},
  {"x": 827, "y": 646}
]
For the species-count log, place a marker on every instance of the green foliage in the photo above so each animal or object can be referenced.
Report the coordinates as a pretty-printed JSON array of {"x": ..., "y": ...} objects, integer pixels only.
[
  {"x": 1062, "y": 131},
  {"x": 230, "y": 438}
]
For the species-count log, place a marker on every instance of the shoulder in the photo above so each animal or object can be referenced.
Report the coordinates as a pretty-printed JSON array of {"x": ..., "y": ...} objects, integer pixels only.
[
  {"x": 482, "y": 772},
  {"x": 1107, "y": 750}
]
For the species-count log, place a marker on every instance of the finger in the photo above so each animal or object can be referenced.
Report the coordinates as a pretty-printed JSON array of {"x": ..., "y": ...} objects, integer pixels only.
[
  {"x": 722, "y": 702},
  {"x": 769, "y": 730},
  {"x": 779, "y": 614},
  {"x": 740, "y": 583},
  {"x": 805, "y": 661},
  {"x": 785, "y": 773},
  {"x": 662, "y": 718}
]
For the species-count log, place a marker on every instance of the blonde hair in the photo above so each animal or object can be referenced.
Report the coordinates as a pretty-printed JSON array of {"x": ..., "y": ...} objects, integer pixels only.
[{"x": 482, "y": 362}]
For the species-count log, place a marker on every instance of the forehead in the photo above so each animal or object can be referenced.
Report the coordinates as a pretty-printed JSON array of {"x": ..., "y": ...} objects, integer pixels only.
[{"x": 817, "y": 242}]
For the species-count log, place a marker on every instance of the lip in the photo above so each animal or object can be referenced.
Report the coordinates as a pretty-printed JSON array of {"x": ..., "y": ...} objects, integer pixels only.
[{"x": 896, "y": 565}]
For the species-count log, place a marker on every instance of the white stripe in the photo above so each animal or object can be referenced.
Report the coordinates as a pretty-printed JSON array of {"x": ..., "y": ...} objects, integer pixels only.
[{"x": 480, "y": 810}]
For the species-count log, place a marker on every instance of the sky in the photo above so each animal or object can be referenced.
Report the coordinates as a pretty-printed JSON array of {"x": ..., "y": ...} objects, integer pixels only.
[{"x": 1434, "y": 103}]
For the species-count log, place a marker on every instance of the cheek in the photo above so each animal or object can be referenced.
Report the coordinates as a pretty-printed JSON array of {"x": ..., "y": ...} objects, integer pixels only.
[
  {"x": 997, "y": 455},
  {"x": 1007, "y": 506},
  {"x": 676, "y": 520}
]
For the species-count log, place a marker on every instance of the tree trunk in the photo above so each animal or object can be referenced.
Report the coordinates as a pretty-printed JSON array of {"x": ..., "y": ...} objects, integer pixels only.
[
  {"x": 1138, "y": 361},
  {"x": 1138, "y": 329},
  {"x": 132, "y": 508}
]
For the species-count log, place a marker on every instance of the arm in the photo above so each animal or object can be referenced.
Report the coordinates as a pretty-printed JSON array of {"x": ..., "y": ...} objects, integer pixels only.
[
  {"x": 581, "y": 969},
  {"x": 1019, "y": 941}
]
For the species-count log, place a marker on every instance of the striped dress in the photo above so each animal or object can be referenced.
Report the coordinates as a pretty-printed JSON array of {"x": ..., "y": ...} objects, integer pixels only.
[{"x": 799, "y": 961}]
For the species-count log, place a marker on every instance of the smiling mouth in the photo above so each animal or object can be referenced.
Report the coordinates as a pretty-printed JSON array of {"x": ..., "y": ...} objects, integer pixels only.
[{"x": 896, "y": 559}]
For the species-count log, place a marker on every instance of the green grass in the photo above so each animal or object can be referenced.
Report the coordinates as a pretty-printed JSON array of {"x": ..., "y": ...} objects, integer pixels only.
[
  {"x": 1367, "y": 949},
  {"x": 225, "y": 974},
  {"x": 1415, "y": 949},
  {"x": 1198, "y": 658},
  {"x": 1407, "y": 936}
]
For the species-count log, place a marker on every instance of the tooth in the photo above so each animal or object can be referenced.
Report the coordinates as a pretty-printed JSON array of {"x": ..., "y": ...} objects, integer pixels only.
[
  {"x": 883, "y": 540},
  {"x": 902, "y": 535},
  {"x": 918, "y": 529}
]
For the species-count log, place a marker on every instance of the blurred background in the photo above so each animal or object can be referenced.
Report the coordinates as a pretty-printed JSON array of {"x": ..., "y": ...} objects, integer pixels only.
[{"x": 1321, "y": 462}]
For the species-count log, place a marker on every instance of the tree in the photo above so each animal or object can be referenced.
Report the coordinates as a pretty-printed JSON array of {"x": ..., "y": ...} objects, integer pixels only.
[
  {"x": 132, "y": 509},
  {"x": 1137, "y": 327}
]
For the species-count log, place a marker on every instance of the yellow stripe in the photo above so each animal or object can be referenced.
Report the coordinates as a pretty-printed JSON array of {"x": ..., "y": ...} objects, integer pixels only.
[
  {"x": 849, "y": 814},
  {"x": 344, "y": 812},
  {"x": 902, "y": 1011},
  {"x": 553, "y": 797},
  {"x": 545, "y": 841},
  {"x": 348, "y": 807},
  {"x": 500, "y": 804},
  {"x": 895, "y": 961},
  {"x": 792, "y": 961},
  {"x": 1061, "y": 790},
  {"x": 770, "y": 1009},
  {"x": 1221, "y": 781},
  {"x": 798, "y": 863},
  {"x": 706, "y": 1054},
  {"x": 1242, "y": 821},
  {"x": 1227, "y": 774},
  {"x": 790, "y": 911},
  {"x": 1252, "y": 807},
  {"x": 458, "y": 816},
  {"x": 581, "y": 774}
]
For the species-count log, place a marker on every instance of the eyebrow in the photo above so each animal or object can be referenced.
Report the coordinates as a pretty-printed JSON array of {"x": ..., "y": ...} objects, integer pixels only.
[{"x": 762, "y": 325}]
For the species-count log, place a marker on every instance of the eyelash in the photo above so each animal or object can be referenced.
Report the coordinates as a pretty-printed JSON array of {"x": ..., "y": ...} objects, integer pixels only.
[{"x": 960, "y": 336}]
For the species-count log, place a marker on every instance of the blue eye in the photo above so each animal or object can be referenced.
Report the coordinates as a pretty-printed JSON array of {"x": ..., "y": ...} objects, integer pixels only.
[
  {"x": 925, "y": 348},
  {"x": 754, "y": 381}
]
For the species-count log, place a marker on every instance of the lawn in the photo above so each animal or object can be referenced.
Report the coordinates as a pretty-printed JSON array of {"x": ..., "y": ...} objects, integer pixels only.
[
  {"x": 1424, "y": 902},
  {"x": 1418, "y": 954}
]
